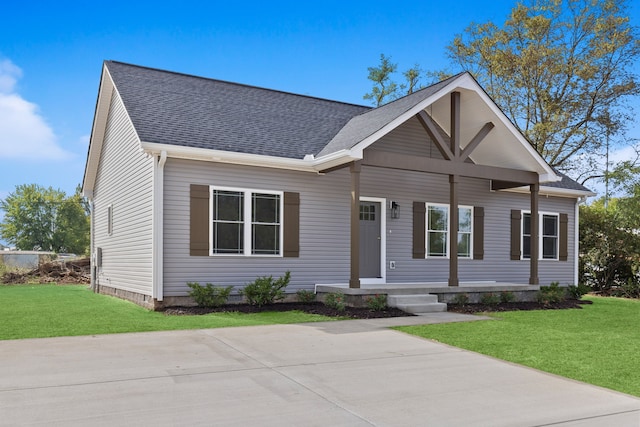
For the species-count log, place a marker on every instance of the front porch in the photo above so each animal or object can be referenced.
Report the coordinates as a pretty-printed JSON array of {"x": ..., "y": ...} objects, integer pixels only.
[{"x": 401, "y": 293}]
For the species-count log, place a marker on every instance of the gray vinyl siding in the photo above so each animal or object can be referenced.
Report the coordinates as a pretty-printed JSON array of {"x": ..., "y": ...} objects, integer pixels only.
[
  {"x": 407, "y": 187},
  {"x": 410, "y": 139},
  {"x": 124, "y": 181},
  {"x": 324, "y": 227},
  {"x": 324, "y": 224}
]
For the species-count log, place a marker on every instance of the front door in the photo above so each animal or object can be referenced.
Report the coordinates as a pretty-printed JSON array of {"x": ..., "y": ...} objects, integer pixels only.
[{"x": 370, "y": 239}]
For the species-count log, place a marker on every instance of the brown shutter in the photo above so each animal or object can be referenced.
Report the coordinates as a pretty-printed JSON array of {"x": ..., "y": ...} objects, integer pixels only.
[
  {"x": 563, "y": 253},
  {"x": 516, "y": 217},
  {"x": 478, "y": 232},
  {"x": 199, "y": 220},
  {"x": 419, "y": 247},
  {"x": 291, "y": 245}
]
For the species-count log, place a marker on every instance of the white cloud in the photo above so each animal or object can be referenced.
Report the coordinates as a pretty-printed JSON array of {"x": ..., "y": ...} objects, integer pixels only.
[{"x": 24, "y": 134}]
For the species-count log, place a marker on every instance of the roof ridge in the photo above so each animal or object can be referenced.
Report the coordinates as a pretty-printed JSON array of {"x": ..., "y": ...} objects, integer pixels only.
[{"x": 236, "y": 83}]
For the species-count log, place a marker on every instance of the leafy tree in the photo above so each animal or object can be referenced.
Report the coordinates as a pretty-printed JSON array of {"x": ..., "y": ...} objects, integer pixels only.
[
  {"x": 385, "y": 89},
  {"x": 560, "y": 69},
  {"x": 46, "y": 219},
  {"x": 609, "y": 246}
]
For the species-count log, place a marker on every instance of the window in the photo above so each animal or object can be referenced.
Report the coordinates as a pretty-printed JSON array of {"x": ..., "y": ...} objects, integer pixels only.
[
  {"x": 549, "y": 236},
  {"x": 245, "y": 222},
  {"x": 438, "y": 231},
  {"x": 367, "y": 212},
  {"x": 548, "y": 244}
]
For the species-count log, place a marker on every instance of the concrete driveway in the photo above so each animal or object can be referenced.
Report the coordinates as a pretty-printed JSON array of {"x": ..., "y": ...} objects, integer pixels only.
[{"x": 351, "y": 373}]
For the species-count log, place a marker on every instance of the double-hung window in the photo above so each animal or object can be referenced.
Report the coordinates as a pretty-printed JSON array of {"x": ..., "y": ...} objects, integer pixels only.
[
  {"x": 245, "y": 222},
  {"x": 438, "y": 230},
  {"x": 549, "y": 236}
]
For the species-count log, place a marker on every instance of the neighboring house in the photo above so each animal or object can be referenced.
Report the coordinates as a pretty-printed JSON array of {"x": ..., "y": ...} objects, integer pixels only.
[{"x": 199, "y": 180}]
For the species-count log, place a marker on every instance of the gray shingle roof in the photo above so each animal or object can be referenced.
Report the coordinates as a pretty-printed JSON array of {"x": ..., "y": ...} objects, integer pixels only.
[
  {"x": 366, "y": 124},
  {"x": 566, "y": 183},
  {"x": 178, "y": 109}
]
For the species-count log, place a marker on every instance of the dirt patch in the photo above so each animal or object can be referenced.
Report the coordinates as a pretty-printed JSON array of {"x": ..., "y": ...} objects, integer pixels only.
[{"x": 68, "y": 272}]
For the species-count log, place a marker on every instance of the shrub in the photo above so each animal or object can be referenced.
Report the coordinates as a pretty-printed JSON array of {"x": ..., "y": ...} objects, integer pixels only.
[
  {"x": 551, "y": 294},
  {"x": 378, "y": 302},
  {"x": 576, "y": 292},
  {"x": 306, "y": 296},
  {"x": 335, "y": 300},
  {"x": 630, "y": 289},
  {"x": 507, "y": 297},
  {"x": 461, "y": 299},
  {"x": 489, "y": 298},
  {"x": 265, "y": 290},
  {"x": 209, "y": 295}
]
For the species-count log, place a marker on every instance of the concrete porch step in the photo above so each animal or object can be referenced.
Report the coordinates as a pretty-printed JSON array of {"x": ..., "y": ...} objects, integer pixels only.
[{"x": 417, "y": 303}]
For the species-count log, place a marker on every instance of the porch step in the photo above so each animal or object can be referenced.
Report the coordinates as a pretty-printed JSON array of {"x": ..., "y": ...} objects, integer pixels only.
[{"x": 416, "y": 304}]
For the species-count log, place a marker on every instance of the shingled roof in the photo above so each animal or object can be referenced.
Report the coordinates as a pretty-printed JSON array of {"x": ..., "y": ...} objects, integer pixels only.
[
  {"x": 179, "y": 109},
  {"x": 189, "y": 111}
]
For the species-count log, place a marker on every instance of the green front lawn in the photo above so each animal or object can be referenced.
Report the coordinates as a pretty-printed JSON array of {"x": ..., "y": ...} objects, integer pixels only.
[
  {"x": 37, "y": 311},
  {"x": 599, "y": 344}
]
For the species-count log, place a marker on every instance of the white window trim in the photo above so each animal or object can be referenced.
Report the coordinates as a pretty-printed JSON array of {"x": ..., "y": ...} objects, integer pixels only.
[
  {"x": 246, "y": 219},
  {"x": 448, "y": 240},
  {"x": 540, "y": 228}
]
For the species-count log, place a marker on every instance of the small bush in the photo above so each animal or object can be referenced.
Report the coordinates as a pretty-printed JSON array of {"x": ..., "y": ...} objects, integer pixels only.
[
  {"x": 489, "y": 298},
  {"x": 306, "y": 296},
  {"x": 378, "y": 302},
  {"x": 630, "y": 289},
  {"x": 507, "y": 297},
  {"x": 209, "y": 295},
  {"x": 265, "y": 290},
  {"x": 576, "y": 292},
  {"x": 335, "y": 300},
  {"x": 461, "y": 299},
  {"x": 551, "y": 294}
]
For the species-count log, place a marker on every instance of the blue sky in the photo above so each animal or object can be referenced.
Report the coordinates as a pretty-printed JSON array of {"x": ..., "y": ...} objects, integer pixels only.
[{"x": 51, "y": 56}]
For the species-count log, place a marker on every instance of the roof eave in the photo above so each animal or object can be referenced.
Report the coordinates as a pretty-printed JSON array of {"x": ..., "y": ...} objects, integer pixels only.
[
  {"x": 554, "y": 191},
  {"x": 98, "y": 130}
]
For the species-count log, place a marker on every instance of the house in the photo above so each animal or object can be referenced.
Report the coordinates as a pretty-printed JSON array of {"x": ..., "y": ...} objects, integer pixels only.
[{"x": 199, "y": 180}]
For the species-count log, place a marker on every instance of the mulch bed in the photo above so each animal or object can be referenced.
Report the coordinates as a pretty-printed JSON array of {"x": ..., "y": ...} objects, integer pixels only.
[
  {"x": 515, "y": 306},
  {"x": 365, "y": 313},
  {"x": 311, "y": 308}
]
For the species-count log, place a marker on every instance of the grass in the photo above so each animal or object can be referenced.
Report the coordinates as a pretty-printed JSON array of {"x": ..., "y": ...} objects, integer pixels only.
[
  {"x": 38, "y": 311},
  {"x": 598, "y": 344}
]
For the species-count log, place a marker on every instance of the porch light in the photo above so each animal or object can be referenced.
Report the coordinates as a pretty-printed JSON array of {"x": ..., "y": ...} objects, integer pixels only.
[{"x": 395, "y": 210}]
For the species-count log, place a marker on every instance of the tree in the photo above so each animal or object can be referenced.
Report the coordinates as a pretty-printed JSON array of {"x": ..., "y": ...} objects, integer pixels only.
[
  {"x": 38, "y": 218},
  {"x": 561, "y": 71},
  {"x": 384, "y": 89},
  {"x": 609, "y": 248}
]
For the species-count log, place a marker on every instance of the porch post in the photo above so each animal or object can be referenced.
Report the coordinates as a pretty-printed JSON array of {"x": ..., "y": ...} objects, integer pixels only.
[
  {"x": 453, "y": 230},
  {"x": 535, "y": 244},
  {"x": 453, "y": 191},
  {"x": 354, "y": 279}
]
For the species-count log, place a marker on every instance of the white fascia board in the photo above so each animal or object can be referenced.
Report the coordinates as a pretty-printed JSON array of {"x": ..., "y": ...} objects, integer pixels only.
[
  {"x": 553, "y": 191},
  {"x": 97, "y": 132},
  {"x": 308, "y": 164},
  {"x": 220, "y": 156}
]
